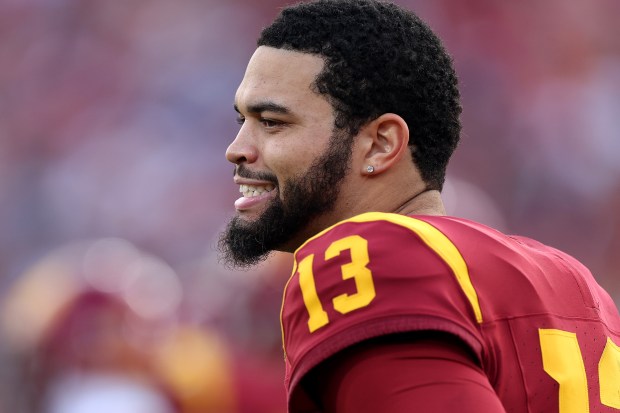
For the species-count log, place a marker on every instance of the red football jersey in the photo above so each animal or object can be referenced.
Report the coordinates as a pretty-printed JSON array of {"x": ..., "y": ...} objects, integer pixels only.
[{"x": 545, "y": 333}]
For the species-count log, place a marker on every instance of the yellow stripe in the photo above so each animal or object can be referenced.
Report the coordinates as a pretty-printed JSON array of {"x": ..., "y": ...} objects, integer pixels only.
[
  {"x": 434, "y": 239},
  {"x": 282, "y": 306}
]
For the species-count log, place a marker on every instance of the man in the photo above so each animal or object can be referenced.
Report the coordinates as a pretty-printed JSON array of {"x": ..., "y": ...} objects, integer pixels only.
[{"x": 349, "y": 112}]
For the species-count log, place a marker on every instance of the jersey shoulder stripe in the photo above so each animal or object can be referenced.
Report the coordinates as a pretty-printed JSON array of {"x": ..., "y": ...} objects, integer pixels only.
[{"x": 433, "y": 238}]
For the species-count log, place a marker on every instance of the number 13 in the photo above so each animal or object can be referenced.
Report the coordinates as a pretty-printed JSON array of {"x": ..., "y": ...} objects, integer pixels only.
[{"x": 356, "y": 269}]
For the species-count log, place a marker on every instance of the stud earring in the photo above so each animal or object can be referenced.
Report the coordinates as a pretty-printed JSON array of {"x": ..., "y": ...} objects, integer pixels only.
[{"x": 370, "y": 169}]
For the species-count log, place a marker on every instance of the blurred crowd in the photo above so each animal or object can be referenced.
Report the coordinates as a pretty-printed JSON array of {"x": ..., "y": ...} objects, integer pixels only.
[{"x": 114, "y": 118}]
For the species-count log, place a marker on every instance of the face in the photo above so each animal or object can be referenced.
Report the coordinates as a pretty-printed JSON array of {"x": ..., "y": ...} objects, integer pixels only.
[{"x": 290, "y": 162}]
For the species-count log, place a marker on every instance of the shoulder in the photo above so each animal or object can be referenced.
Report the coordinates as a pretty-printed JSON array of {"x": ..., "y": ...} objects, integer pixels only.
[
  {"x": 389, "y": 231},
  {"x": 373, "y": 221},
  {"x": 372, "y": 275},
  {"x": 400, "y": 251}
]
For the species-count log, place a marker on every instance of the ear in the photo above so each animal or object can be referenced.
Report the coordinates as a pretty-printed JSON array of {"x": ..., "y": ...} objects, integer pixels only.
[{"x": 385, "y": 141}]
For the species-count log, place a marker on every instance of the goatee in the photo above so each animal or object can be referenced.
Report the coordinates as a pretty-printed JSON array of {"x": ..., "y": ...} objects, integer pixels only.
[{"x": 298, "y": 201}]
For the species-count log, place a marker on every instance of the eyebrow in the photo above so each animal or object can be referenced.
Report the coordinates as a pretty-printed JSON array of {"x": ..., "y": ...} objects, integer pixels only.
[{"x": 266, "y": 106}]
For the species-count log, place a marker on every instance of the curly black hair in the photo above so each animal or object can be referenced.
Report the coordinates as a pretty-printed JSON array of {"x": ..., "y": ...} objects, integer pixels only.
[{"x": 379, "y": 58}]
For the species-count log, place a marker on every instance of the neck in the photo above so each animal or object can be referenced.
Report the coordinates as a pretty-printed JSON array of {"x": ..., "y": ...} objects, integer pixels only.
[{"x": 426, "y": 202}]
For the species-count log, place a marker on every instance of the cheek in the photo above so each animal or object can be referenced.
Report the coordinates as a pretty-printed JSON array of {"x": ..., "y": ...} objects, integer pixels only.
[{"x": 288, "y": 159}]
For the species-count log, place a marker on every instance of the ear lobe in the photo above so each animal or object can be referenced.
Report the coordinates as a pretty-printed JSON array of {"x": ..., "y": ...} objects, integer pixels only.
[{"x": 389, "y": 140}]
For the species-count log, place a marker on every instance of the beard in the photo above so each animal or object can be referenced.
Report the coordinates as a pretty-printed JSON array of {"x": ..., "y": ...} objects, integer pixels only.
[{"x": 303, "y": 198}]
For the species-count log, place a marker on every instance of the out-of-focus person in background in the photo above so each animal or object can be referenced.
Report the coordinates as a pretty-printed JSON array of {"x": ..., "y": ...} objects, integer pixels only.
[
  {"x": 112, "y": 125},
  {"x": 100, "y": 326}
]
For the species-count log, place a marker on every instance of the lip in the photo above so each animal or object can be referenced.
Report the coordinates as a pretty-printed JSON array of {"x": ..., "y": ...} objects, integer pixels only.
[
  {"x": 245, "y": 181},
  {"x": 255, "y": 203}
]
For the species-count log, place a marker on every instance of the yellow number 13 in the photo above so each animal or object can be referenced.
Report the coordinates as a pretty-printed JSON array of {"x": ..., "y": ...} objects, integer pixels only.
[{"x": 356, "y": 269}]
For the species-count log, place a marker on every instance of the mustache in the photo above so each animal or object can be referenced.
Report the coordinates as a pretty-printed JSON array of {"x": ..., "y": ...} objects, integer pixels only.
[{"x": 243, "y": 172}]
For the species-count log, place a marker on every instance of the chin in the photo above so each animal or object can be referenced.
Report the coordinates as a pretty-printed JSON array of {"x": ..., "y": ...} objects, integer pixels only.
[{"x": 249, "y": 217}]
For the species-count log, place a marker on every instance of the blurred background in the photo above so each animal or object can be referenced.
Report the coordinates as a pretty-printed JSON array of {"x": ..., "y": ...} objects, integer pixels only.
[{"x": 114, "y": 119}]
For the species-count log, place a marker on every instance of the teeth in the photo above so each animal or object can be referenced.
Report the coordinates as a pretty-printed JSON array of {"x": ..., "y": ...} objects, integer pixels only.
[{"x": 250, "y": 191}]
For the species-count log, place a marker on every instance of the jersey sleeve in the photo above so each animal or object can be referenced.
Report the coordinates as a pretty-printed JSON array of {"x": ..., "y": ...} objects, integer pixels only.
[
  {"x": 374, "y": 275},
  {"x": 431, "y": 371}
]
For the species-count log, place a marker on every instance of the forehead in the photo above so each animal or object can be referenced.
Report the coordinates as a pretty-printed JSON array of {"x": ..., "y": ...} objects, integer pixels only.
[{"x": 281, "y": 76}]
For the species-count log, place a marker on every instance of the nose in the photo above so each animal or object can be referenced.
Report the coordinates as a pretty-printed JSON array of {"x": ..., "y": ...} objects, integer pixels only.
[{"x": 242, "y": 149}]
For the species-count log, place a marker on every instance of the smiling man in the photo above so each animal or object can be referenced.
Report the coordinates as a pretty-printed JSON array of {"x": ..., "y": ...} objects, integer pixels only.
[
  {"x": 290, "y": 127},
  {"x": 349, "y": 112}
]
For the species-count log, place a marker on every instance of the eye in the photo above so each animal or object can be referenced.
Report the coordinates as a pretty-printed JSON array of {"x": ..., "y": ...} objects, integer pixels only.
[
  {"x": 270, "y": 123},
  {"x": 240, "y": 120}
]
